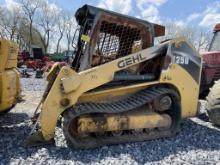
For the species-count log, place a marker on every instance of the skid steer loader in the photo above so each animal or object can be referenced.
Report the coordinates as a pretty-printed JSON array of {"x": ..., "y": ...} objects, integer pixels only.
[
  {"x": 120, "y": 87},
  {"x": 9, "y": 76}
]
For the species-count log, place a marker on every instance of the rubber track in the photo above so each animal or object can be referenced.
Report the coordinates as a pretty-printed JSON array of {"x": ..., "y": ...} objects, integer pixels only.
[
  {"x": 123, "y": 105},
  {"x": 127, "y": 104}
]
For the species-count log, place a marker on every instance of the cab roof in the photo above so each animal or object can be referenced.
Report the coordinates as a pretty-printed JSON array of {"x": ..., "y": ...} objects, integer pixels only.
[{"x": 90, "y": 12}]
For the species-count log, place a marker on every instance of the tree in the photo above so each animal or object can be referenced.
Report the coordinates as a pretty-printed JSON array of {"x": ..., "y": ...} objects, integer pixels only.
[
  {"x": 10, "y": 21},
  {"x": 30, "y": 8},
  {"x": 204, "y": 40},
  {"x": 200, "y": 38},
  {"x": 1, "y": 23},
  {"x": 23, "y": 37},
  {"x": 70, "y": 27},
  {"x": 47, "y": 20},
  {"x": 60, "y": 28}
]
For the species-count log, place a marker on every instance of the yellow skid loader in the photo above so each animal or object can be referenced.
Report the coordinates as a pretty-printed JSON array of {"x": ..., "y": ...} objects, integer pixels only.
[
  {"x": 120, "y": 87},
  {"x": 9, "y": 75}
]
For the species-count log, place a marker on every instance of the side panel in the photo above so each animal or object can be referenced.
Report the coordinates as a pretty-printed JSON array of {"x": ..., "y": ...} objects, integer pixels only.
[
  {"x": 8, "y": 55},
  {"x": 117, "y": 92},
  {"x": 184, "y": 55},
  {"x": 187, "y": 87},
  {"x": 9, "y": 89},
  {"x": 184, "y": 73}
]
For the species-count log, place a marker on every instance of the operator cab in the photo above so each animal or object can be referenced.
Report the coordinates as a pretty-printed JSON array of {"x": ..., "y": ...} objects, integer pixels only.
[{"x": 103, "y": 36}]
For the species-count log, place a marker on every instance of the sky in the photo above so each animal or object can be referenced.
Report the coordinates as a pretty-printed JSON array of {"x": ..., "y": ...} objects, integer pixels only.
[{"x": 203, "y": 13}]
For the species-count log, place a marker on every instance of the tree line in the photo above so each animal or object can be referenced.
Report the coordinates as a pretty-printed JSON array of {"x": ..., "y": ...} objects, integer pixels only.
[
  {"x": 38, "y": 22},
  {"x": 198, "y": 36}
]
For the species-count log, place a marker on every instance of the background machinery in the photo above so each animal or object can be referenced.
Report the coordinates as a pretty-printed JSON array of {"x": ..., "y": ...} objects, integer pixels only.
[
  {"x": 120, "y": 87},
  {"x": 9, "y": 75},
  {"x": 210, "y": 83},
  {"x": 211, "y": 64},
  {"x": 35, "y": 60}
]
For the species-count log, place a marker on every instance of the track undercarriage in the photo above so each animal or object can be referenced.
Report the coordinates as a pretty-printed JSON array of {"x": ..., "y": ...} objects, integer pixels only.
[{"x": 148, "y": 114}]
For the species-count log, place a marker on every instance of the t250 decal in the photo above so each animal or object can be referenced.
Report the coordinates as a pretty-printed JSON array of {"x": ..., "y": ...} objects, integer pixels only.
[{"x": 183, "y": 60}]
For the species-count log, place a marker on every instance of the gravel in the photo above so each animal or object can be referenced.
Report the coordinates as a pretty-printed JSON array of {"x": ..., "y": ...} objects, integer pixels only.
[{"x": 198, "y": 141}]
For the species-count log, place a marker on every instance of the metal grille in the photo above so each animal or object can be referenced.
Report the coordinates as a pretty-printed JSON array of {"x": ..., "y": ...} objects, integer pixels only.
[{"x": 116, "y": 40}]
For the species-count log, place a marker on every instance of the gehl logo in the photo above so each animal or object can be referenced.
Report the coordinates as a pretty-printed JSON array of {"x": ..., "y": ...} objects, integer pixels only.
[{"x": 131, "y": 60}]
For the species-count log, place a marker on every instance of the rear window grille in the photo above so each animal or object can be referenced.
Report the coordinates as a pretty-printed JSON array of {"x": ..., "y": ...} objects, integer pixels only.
[
  {"x": 116, "y": 40},
  {"x": 108, "y": 44}
]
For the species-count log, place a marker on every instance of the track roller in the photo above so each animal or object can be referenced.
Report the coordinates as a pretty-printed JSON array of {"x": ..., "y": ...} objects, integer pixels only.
[{"x": 127, "y": 120}]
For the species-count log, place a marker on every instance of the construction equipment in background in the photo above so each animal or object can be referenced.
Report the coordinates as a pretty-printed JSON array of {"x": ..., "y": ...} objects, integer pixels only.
[
  {"x": 9, "y": 75},
  {"x": 34, "y": 59},
  {"x": 211, "y": 64},
  {"x": 57, "y": 57},
  {"x": 22, "y": 57},
  {"x": 210, "y": 82},
  {"x": 38, "y": 60},
  {"x": 66, "y": 56},
  {"x": 120, "y": 87}
]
